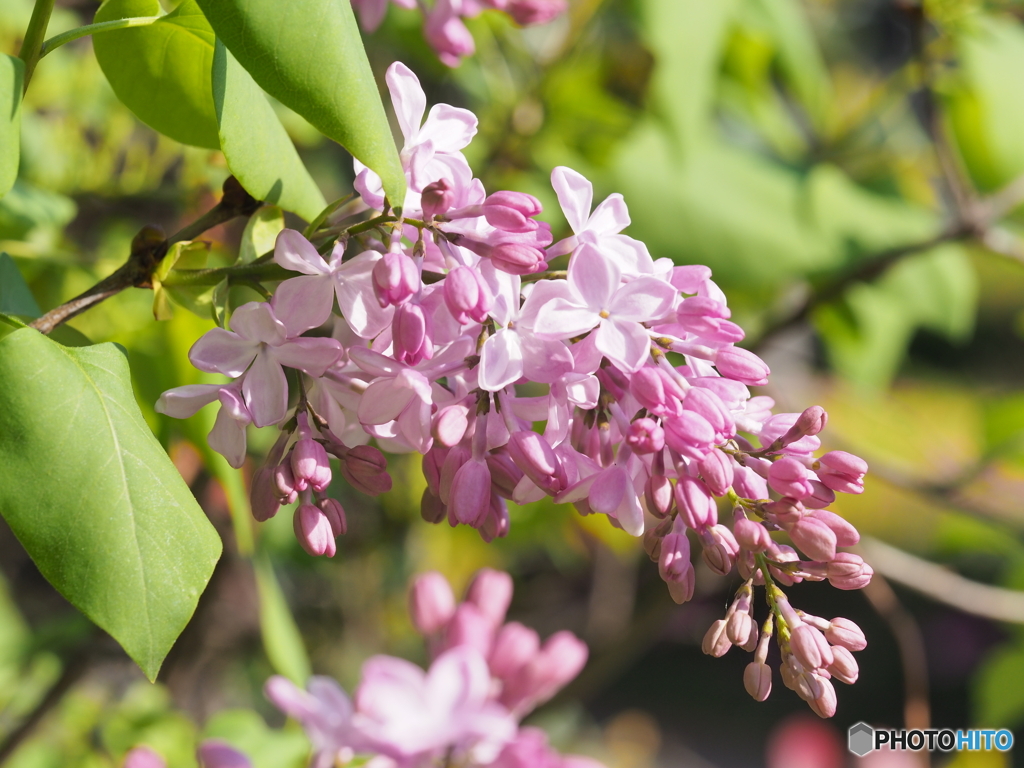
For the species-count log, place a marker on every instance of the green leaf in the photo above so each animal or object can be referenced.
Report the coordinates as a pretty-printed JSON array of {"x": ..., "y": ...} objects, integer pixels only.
[
  {"x": 256, "y": 145},
  {"x": 12, "y": 72},
  {"x": 94, "y": 499},
  {"x": 999, "y": 689},
  {"x": 281, "y": 637},
  {"x": 15, "y": 296},
  {"x": 308, "y": 55},
  {"x": 162, "y": 71},
  {"x": 246, "y": 731},
  {"x": 261, "y": 233}
]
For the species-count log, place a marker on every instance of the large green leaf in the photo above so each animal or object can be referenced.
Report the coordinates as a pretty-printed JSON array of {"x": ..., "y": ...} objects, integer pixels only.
[
  {"x": 257, "y": 148},
  {"x": 308, "y": 55},
  {"x": 93, "y": 498},
  {"x": 162, "y": 71},
  {"x": 12, "y": 73},
  {"x": 15, "y": 296},
  {"x": 282, "y": 640}
]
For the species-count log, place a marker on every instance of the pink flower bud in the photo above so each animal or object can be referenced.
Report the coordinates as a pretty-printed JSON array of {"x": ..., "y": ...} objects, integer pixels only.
[
  {"x": 824, "y": 704},
  {"x": 365, "y": 469},
  {"x": 433, "y": 461},
  {"x": 470, "y": 495},
  {"x": 491, "y": 592},
  {"x": 810, "y": 646},
  {"x": 432, "y": 509},
  {"x": 849, "y": 571},
  {"x": 742, "y": 366},
  {"x": 450, "y": 425},
  {"x": 467, "y": 295},
  {"x": 821, "y": 495},
  {"x": 456, "y": 457},
  {"x": 263, "y": 494},
  {"x": 682, "y": 591},
  {"x": 335, "y": 514},
  {"x": 813, "y": 538},
  {"x": 674, "y": 559},
  {"x": 690, "y": 278},
  {"x": 314, "y": 531},
  {"x": 645, "y": 436},
  {"x": 436, "y": 198},
  {"x": 738, "y": 627},
  {"x": 658, "y": 495},
  {"x": 395, "y": 279},
  {"x": 656, "y": 391},
  {"x": 535, "y": 457},
  {"x": 719, "y": 549},
  {"x": 748, "y": 484},
  {"x": 810, "y": 422},
  {"x": 143, "y": 757},
  {"x": 447, "y": 33},
  {"x": 846, "y": 534},
  {"x": 757, "y": 679},
  {"x": 696, "y": 507},
  {"x": 470, "y": 627},
  {"x": 505, "y": 475},
  {"x": 750, "y": 535},
  {"x": 716, "y": 642},
  {"x": 790, "y": 478},
  {"x": 559, "y": 660},
  {"x": 518, "y": 259},
  {"x": 844, "y": 632},
  {"x": 710, "y": 407},
  {"x": 530, "y": 12},
  {"x": 411, "y": 334},
  {"x": 284, "y": 483},
  {"x": 513, "y": 648},
  {"x": 717, "y": 470},
  {"x": 786, "y": 510},
  {"x": 431, "y": 603},
  {"x": 844, "y": 666},
  {"x": 213, "y": 753},
  {"x": 310, "y": 466},
  {"x": 690, "y": 434},
  {"x": 512, "y": 211},
  {"x": 842, "y": 471}
]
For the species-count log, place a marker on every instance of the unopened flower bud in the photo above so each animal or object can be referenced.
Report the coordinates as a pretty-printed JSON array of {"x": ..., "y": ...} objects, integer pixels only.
[
  {"x": 810, "y": 422},
  {"x": 512, "y": 211},
  {"x": 335, "y": 514},
  {"x": 431, "y": 602},
  {"x": 810, "y": 646},
  {"x": 849, "y": 571},
  {"x": 529, "y": 12},
  {"x": 432, "y": 509},
  {"x": 365, "y": 469},
  {"x": 790, "y": 478},
  {"x": 716, "y": 642},
  {"x": 750, "y": 535},
  {"x": 518, "y": 259},
  {"x": 310, "y": 466},
  {"x": 757, "y": 679},
  {"x": 491, "y": 592},
  {"x": 263, "y": 494},
  {"x": 449, "y": 425},
  {"x": 467, "y": 295},
  {"x": 470, "y": 495},
  {"x": 786, "y": 510},
  {"x": 717, "y": 470},
  {"x": 841, "y": 631},
  {"x": 824, "y": 704},
  {"x": 513, "y": 648},
  {"x": 696, "y": 507},
  {"x": 842, "y": 471},
  {"x": 719, "y": 549},
  {"x": 658, "y": 495},
  {"x": 436, "y": 198},
  {"x": 742, "y": 366},
  {"x": 645, "y": 436},
  {"x": 395, "y": 279},
  {"x": 814, "y": 538},
  {"x": 314, "y": 531},
  {"x": 284, "y": 483},
  {"x": 844, "y": 666},
  {"x": 411, "y": 334}
]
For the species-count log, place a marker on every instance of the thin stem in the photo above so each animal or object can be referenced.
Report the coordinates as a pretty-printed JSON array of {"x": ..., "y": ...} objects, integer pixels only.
[
  {"x": 33, "y": 44},
  {"x": 242, "y": 273},
  {"x": 94, "y": 29}
]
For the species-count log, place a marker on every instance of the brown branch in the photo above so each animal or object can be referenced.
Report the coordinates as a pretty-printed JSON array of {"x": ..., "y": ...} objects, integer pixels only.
[{"x": 148, "y": 249}]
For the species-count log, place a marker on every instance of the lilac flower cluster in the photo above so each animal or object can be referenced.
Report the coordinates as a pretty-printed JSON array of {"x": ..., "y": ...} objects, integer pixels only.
[
  {"x": 455, "y": 340},
  {"x": 444, "y": 27},
  {"x": 485, "y": 676}
]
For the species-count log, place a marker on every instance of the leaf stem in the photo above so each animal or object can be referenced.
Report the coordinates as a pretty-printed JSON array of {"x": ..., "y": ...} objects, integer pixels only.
[
  {"x": 241, "y": 274},
  {"x": 93, "y": 29},
  {"x": 31, "y": 47}
]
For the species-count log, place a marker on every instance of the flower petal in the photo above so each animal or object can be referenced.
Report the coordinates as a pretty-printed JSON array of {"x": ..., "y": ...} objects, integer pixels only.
[
  {"x": 313, "y": 356},
  {"x": 266, "y": 391},
  {"x": 256, "y": 321},
  {"x": 645, "y": 299},
  {"x": 561, "y": 319},
  {"x": 354, "y": 285},
  {"x": 631, "y": 256},
  {"x": 182, "y": 402},
  {"x": 228, "y": 437},
  {"x": 594, "y": 277},
  {"x": 408, "y": 98},
  {"x": 610, "y": 217},
  {"x": 293, "y": 251},
  {"x": 501, "y": 361},
  {"x": 624, "y": 343},
  {"x": 575, "y": 195},
  {"x": 304, "y": 302},
  {"x": 383, "y": 401},
  {"x": 544, "y": 360},
  {"x": 221, "y": 351},
  {"x": 448, "y": 128}
]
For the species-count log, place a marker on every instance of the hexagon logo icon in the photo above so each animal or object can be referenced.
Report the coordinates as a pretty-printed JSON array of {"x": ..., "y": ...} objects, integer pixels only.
[{"x": 860, "y": 739}]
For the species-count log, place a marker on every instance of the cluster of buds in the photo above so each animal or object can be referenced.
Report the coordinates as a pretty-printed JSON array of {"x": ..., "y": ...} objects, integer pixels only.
[
  {"x": 485, "y": 676},
  {"x": 444, "y": 27},
  {"x": 455, "y": 339}
]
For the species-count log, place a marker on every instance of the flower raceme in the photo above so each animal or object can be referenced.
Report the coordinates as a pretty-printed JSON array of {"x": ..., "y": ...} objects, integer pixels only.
[
  {"x": 449, "y": 308},
  {"x": 484, "y": 677}
]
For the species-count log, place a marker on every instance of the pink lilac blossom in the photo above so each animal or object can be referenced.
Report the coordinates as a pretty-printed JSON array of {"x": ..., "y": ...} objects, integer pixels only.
[
  {"x": 632, "y": 366},
  {"x": 484, "y": 677},
  {"x": 444, "y": 28}
]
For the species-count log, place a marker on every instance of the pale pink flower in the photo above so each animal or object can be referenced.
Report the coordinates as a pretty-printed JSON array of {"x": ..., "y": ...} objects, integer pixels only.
[
  {"x": 323, "y": 710},
  {"x": 228, "y": 434}
]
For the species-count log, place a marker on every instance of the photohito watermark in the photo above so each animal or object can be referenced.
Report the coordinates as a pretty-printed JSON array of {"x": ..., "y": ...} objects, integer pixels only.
[{"x": 862, "y": 739}]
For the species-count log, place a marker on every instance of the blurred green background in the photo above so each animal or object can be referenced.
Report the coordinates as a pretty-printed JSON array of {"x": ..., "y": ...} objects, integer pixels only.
[{"x": 850, "y": 170}]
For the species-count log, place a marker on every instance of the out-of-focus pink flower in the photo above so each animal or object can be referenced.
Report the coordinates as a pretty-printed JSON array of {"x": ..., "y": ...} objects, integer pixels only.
[
  {"x": 803, "y": 742},
  {"x": 143, "y": 757},
  {"x": 431, "y": 602},
  {"x": 214, "y": 753},
  {"x": 324, "y": 711}
]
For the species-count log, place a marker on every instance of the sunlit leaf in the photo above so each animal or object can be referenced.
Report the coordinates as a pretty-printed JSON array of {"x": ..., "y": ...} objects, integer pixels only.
[
  {"x": 308, "y": 55},
  {"x": 162, "y": 71},
  {"x": 256, "y": 145},
  {"x": 94, "y": 499},
  {"x": 12, "y": 72},
  {"x": 261, "y": 233}
]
